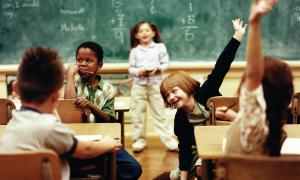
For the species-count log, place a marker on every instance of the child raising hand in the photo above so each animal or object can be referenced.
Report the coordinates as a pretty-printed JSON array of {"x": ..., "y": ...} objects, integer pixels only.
[{"x": 180, "y": 91}]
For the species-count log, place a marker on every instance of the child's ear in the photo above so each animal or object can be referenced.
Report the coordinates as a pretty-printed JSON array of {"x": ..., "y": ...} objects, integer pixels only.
[
  {"x": 100, "y": 65},
  {"x": 15, "y": 87},
  {"x": 55, "y": 96},
  {"x": 153, "y": 34}
]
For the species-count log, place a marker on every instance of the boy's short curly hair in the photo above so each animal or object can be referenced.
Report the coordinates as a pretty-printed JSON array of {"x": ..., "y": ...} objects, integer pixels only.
[
  {"x": 95, "y": 47},
  {"x": 40, "y": 73}
]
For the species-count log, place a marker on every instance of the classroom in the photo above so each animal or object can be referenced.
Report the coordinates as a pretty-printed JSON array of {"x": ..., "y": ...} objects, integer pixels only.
[{"x": 194, "y": 33}]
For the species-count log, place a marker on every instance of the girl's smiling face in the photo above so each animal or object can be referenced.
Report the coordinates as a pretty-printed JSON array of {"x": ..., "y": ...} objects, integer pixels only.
[
  {"x": 177, "y": 98},
  {"x": 145, "y": 34}
]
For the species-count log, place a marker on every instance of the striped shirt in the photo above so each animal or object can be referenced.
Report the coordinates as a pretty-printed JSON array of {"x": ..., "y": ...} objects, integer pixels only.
[
  {"x": 103, "y": 95},
  {"x": 199, "y": 116}
]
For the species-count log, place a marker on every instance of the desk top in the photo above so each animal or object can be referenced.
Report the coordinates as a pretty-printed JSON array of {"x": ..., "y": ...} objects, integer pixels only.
[
  {"x": 122, "y": 104},
  {"x": 209, "y": 139},
  {"x": 105, "y": 129}
]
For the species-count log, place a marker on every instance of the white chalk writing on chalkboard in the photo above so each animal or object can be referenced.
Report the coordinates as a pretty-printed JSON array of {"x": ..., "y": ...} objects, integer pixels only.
[
  {"x": 10, "y": 8},
  {"x": 297, "y": 14},
  {"x": 71, "y": 27},
  {"x": 152, "y": 7},
  {"x": 188, "y": 24},
  {"x": 118, "y": 21},
  {"x": 72, "y": 12}
]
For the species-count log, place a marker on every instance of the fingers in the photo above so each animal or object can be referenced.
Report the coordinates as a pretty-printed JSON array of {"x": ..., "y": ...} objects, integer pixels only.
[
  {"x": 265, "y": 6},
  {"x": 222, "y": 108},
  {"x": 116, "y": 144},
  {"x": 72, "y": 69},
  {"x": 238, "y": 24},
  {"x": 81, "y": 103}
]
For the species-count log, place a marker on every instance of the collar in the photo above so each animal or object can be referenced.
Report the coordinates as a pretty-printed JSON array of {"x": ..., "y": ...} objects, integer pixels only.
[
  {"x": 151, "y": 45},
  {"x": 99, "y": 85},
  {"x": 25, "y": 108}
]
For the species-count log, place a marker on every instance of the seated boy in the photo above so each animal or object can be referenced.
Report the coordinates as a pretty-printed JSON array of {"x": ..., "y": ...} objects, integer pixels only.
[
  {"x": 35, "y": 127},
  {"x": 96, "y": 98}
]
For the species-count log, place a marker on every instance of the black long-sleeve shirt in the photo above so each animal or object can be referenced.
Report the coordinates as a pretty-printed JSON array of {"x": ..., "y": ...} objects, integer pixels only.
[{"x": 182, "y": 128}]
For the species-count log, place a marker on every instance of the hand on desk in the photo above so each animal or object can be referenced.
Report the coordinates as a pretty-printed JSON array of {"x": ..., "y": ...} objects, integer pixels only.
[
  {"x": 225, "y": 113},
  {"x": 111, "y": 143}
]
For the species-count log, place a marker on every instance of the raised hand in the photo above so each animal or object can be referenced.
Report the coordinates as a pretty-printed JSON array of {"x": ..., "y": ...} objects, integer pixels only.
[
  {"x": 239, "y": 29},
  {"x": 260, "y": 7},
  {"x": 72, "y": 69}
]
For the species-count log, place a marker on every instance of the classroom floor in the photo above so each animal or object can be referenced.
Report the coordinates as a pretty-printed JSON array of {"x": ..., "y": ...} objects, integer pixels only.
[{"x": 154, "y": 159}]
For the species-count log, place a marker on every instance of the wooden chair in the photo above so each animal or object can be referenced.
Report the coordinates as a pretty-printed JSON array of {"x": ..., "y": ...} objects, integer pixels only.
[
  {"x": 295, "y": 108},
  {"x": 67, "y": 112},
  {"x": 259, "y": 168},
  {"x": 33, "y": 165},
  {"x": 6, "y": 107},
  {"x": 219, "y": 101}
]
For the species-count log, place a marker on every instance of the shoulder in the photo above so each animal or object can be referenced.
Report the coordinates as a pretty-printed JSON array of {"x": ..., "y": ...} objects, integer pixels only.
[
  {"x": 107, "y": 87},
  {"x": 43, "y": 122},
  {"x": 133, "y": 50},
  {"x": 160, "y": 45}
]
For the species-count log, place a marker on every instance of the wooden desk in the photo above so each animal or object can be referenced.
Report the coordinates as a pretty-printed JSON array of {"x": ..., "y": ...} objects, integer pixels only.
[
  {"x": 209, "y": 139},
  {"x": 209, "y": 143},
  {"x": 105, "y": 129},
  {"x": 111, "y": 129},
  {"x": 121, "y": 106}
]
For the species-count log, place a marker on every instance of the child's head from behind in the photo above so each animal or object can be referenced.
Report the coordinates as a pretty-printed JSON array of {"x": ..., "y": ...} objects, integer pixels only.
[
  {"x": 177, "y": 88},
  {"x": 40, "y": 74},
  {"x": 144, "y": 32},
  {"x": 89, "y": 57}
]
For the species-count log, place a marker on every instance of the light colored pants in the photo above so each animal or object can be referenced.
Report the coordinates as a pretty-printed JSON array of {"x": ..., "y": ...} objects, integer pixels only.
[{"x": 140, "y": 95}]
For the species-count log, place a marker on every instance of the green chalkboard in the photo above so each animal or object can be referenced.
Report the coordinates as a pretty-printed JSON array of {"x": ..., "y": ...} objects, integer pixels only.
[{"x": 193, "y": 30}]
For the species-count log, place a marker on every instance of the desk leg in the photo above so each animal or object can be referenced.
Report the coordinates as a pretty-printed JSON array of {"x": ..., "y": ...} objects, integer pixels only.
[
  {"x": 121, "y": 120},
  {"x": 113, "y": 166},
  {"x": 207, "y": 169}
]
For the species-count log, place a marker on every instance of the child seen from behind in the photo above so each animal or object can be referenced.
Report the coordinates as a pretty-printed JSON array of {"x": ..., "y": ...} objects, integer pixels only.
[{"x": 34, "y": 127}]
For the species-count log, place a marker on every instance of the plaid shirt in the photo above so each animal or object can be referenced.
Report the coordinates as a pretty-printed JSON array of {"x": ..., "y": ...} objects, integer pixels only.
[{"x": 103, "y": 95}]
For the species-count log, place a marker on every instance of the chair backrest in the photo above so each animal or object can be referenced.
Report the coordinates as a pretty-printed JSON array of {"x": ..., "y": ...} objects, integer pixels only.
[
  {"x": 258, "y": 168},
  {"x": 295, "y": 110},
  {"x": 33, "y": 165},
  {"x": 67, "y": 112},
  {"x": 219, "y": 101},
  {"x": 6, "y": 107}
]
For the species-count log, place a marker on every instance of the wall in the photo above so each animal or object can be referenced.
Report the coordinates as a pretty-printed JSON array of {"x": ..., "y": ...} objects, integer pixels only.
[{"x": 196, "y": 69}]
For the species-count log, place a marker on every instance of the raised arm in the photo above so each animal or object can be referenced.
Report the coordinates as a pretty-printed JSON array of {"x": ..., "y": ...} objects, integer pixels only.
[
  {"x": 254, "y": 55},
  {"x": 214, "y": 80}
]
